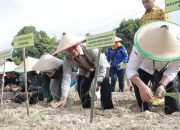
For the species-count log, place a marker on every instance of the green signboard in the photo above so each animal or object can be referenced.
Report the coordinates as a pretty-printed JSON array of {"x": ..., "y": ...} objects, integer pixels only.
[
  {"x": 100, "y": 40},
  {"x": 23, "y": 40},
  {"x": 5, "y": 54},
  {"x": 172, "y": 5}
]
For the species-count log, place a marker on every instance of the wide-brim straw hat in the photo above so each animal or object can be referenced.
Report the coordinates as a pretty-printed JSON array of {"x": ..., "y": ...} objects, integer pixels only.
[
  {"x": 117, "y": 39},
  {"x": 116, "y": 45},
  {"x": 9, "y": 67},
  {"x": 47, "y": 62},
  {"x": 30, "y": 62},
  {"x": 67, "y": 41},
  {"x": 159, "y": 41}
]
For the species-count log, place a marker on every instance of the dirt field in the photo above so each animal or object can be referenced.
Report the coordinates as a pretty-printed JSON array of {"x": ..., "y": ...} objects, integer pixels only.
[{"x": 125, "y": 116}]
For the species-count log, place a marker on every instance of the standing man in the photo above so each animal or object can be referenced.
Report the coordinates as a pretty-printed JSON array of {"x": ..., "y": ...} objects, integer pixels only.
[
  {"x": 77, "y": 55},
  {"x": 117, "y": 56},
  {"x": 152, "y": 13}
]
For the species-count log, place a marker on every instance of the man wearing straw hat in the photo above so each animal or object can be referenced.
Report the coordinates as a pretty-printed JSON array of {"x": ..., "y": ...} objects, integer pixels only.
[
  {"x": 117, "y": 56},
  {"x": 78, "y": 55},
  {"x": 152, "y": 13},
  {"x": 52, "y": 67},
  {"x": 156, "y": 50}
]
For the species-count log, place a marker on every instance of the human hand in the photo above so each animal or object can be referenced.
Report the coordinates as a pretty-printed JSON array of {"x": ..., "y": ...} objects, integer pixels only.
[
  {"x": 60, "y": 103},
  {"x": 145, "y": 93},
  {"x": 44, "y": 102},
  {"x": 160, "y": 90}
]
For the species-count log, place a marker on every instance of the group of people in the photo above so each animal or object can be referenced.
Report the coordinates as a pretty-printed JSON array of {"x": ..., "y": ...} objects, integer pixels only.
[
  {"x": 150, "y": 54},
  {"x": 14, "y": 86}
]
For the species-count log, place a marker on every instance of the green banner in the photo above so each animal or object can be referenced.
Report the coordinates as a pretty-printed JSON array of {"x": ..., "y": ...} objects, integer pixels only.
[
  {"x": 23, "y": 40},
  {"x": 100, "y": 40},
  {"x": 5, "y": 54},
  {"x": 172, "y": 5}
]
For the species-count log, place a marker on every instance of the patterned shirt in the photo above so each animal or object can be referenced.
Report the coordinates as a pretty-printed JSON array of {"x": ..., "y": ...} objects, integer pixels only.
[{"x": 154, "y": 14}]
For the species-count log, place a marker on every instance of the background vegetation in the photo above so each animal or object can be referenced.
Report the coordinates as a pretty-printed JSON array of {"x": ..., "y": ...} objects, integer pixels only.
[{"x": 46, "y": 44}]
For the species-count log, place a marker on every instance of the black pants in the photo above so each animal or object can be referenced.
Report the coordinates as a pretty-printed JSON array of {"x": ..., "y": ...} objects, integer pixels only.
[
  {"x": 84, "y": 85},
  {"x": 171, "y": 104}
]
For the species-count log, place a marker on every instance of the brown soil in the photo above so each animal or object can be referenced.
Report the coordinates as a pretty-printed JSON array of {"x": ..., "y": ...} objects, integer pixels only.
[{"x": 125, "y": 116}]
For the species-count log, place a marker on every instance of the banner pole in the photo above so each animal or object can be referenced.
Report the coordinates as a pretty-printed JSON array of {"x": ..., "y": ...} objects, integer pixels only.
[
  {"x": 2, "y": 88},
  {"x": 94, "y": 86},
  {"x": 25, "y": 81}
]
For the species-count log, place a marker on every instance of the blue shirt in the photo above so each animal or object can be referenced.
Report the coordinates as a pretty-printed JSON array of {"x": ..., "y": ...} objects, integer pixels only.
[{"x": 120, "y": 57}]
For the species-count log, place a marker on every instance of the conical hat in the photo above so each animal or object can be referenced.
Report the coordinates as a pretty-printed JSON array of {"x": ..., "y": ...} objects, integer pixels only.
[
  {"x": 30, "y": 62},
  {"x": 159, "y": 41},
  {"x": 67, "y": 41},
  {"x": 9, "y": 67},
  {"x": 117, "y": 39},
  {"x": 47, "y": 62}
]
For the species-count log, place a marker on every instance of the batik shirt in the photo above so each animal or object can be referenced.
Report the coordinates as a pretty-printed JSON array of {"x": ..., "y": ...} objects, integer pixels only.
[{"x": 154, "y": 14}]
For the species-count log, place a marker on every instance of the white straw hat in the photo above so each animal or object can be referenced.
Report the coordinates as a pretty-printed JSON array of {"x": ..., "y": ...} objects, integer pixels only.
[
  {"x": 67, "y": 41},
  {"x": 9, "y": 67},
  {"x": 117, "y": 39},
  {"x": 47, "y": 62},
  {"x": 159, "y": 41},
  {"x": 30, "y": 62}
]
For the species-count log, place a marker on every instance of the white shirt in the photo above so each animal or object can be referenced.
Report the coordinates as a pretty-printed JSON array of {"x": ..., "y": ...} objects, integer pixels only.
[
  {"x": 136, "y": 61},
  {"x": 67, "y": 69}
]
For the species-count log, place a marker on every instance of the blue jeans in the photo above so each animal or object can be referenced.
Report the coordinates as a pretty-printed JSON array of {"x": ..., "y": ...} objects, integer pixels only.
[{"x": 114, "y": 74}]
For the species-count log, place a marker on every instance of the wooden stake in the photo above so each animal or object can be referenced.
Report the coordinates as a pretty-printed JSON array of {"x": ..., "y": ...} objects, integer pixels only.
[
  {"x": 2, "y": 88},
  {"x": 25, "y": 80},
  {"x": 94, "y": 86}
]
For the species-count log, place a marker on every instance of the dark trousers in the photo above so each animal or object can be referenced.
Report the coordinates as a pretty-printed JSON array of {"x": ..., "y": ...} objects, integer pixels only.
[
  {"x": 171, "y": 104},
  {"x": 84, "y": 85},
  {"x": 114, "y": 74}
]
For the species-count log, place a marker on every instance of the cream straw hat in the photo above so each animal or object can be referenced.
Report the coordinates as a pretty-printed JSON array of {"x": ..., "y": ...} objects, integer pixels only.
[
  {"x": 9, "y": 67},
  {"x": 47, "y": 62},
  {"x": 159, "y": 41},
  {"x": 67, "y": 41},
  {"x": 30, "y": 62}
]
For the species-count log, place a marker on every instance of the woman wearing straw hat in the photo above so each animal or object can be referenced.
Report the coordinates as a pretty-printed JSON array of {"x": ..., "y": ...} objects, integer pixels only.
[
  {"x": 52, "y": 67},
  {"x": 117, "y": 55},
  {"x": 156, "y": 48},
  {"x": 78, "y": 55}
]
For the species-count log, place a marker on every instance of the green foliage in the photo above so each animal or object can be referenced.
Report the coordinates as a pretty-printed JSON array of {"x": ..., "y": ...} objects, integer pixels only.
[
  {"x": 45, "y": 44},
  {"x": 17, "y": 60},
  {"x": 126, "y": 32},
  {"x": 42, "y": 44}
]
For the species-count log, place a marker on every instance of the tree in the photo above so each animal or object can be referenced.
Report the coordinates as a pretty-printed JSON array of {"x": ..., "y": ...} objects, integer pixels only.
[{"x": 126, "y": 32}]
